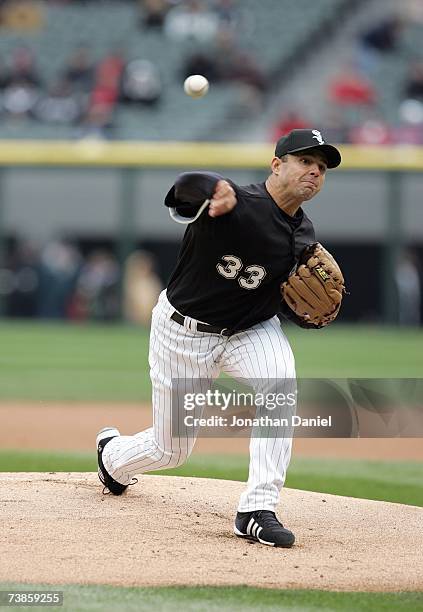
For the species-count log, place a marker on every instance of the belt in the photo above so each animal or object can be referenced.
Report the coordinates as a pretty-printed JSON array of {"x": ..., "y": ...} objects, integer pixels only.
[{"x": 203, "y": 327}]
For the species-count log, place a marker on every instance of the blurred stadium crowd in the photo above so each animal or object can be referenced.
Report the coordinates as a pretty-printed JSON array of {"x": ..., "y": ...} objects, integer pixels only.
[
  {"x": 61, "y": 281},
  {"x": 114, "y": 69}
]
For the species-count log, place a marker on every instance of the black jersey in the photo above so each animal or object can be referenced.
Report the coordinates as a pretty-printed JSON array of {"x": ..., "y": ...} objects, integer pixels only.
[{"x": 230, "y": 267}]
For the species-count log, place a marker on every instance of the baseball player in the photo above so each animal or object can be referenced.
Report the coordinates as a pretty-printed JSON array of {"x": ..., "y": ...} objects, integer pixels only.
[{"x": 237, "y": 272}]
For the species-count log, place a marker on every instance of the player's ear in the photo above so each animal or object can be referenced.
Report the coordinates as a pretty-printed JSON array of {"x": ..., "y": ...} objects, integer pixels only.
[{"x": 275, "y": 165}]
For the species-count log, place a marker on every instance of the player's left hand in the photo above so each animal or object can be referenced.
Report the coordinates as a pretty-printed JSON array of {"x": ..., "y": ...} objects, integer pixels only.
[
  {"x": 223, "y": 200},
  {"x": 314, "y": 291}
]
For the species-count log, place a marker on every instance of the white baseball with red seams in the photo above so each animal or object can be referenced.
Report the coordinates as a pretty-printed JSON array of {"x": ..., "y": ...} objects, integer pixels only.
[{"x": 196, "y": 86}]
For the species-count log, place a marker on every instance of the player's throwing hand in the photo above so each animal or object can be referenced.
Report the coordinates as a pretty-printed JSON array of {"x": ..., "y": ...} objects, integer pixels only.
[{"x": 223, "y": 200}]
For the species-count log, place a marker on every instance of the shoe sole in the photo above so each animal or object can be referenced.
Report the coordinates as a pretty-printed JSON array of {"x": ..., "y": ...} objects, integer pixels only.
[
  {"x": 256, "y": 539},
  {"x": 106, "y": 432}
]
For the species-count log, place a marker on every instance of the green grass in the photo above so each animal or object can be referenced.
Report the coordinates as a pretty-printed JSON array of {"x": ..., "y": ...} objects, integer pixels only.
[
  {"x": 45, "y": 461},
  {"x": 224, "y": 599},
  {"x": 399, "y": 482},
  {"x": 53, "y": 361},
  {"x": 358, "y": 351},
  {"x": 47, "y": 361}
]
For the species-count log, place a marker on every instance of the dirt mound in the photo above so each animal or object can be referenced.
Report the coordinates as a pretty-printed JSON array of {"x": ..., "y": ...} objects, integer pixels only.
[
  {"x": 59, "y": 528},
  {"x": 73, "y": 426}
]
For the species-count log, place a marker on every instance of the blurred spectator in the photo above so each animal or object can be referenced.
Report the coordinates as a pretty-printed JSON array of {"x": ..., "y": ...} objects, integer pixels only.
[
  {"x": 350, "y": 88},
  {"x": 79, "y": 69},
  {"x": 289, "y": 120},
  {"x": 3, "y": 74},
  {"x": 141, "y": 83},
  {"x": 152, "y": 13},
  {"x": 141, "y": 288},
  {"x": 383, "y": 36},
  {"x": 98, "y": 119},
  {"x": 19, "y": 100},
  {"x": 413, "y": 87},
  {"x": 22, "y": 15},
  {"x": 191, "y": 19},
  {"x": 238, "y": 64},
  {"x": 106, "y": 91},
  {"x": 21, "y": 85},
  {"x": 408, "y": 283},
  {"x": 58, "y": 273},
  {"x": 108, "y": 76},
  {"x": 244, "y": 68},
  {"x": 19, "y": 281},
  {"x": 59, "y": 105},
  {"x": 97, "y": 292},
  {"x": 372, "y": 131},
  {"x": 202, "y": 63},
  {"x": 352, "y": 93},
  {"x": 23, "y": 69},
  {"x": 411, "y": 108},
  {"x": 411, "y": 112},
  {"x": 379, "y": 39}
]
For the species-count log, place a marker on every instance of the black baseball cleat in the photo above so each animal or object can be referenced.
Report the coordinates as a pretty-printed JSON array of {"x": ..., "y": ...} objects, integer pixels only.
[
  {"x": 103, "y": 437},
  {"x": 263, "y": 526}
]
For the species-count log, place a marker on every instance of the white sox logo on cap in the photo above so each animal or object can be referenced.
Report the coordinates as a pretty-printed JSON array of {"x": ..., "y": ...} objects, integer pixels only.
[
  {"x": 318, "y": 137},
  {"x": 302, "y": 140}
]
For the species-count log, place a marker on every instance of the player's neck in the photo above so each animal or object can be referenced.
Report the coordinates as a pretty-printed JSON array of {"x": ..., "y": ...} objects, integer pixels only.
[{"x": 286, "y": 202}]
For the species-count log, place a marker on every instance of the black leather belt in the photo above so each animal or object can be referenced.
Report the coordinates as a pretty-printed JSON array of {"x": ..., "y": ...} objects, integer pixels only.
[{"x": 203, "y": 327}]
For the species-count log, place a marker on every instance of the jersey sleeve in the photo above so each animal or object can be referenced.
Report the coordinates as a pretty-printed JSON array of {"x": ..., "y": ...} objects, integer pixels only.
[{"x": 190, "y": 191}]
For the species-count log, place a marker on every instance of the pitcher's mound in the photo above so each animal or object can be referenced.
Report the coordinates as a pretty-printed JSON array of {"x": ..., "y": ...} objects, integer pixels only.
[{"x": 59, "y": 528}]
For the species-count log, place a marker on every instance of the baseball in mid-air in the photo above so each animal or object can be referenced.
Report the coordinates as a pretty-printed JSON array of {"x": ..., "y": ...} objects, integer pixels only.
[{"x": 196, "y": 86}]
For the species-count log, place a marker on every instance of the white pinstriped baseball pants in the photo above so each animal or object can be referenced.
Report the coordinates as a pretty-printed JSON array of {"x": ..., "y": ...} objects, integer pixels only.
[{"x": 259, "y": 353}]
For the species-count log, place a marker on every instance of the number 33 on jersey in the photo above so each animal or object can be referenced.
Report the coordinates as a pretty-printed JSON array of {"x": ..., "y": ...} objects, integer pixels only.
[{"x": 248, "y": 277}]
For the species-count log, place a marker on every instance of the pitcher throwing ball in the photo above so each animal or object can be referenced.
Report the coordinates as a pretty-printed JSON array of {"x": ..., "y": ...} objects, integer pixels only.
[{"x": 248, "y": 258}]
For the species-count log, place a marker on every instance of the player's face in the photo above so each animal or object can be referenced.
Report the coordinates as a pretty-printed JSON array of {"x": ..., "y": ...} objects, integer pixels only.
[{"x": 302, "y": 175}]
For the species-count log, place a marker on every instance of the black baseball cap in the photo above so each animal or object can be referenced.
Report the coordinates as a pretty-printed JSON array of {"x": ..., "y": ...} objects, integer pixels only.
[{"x": 302, "y": 140}]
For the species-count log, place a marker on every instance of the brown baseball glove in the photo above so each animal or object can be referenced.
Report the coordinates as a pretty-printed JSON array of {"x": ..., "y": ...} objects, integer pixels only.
[{"x": 314, "y": 290}]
